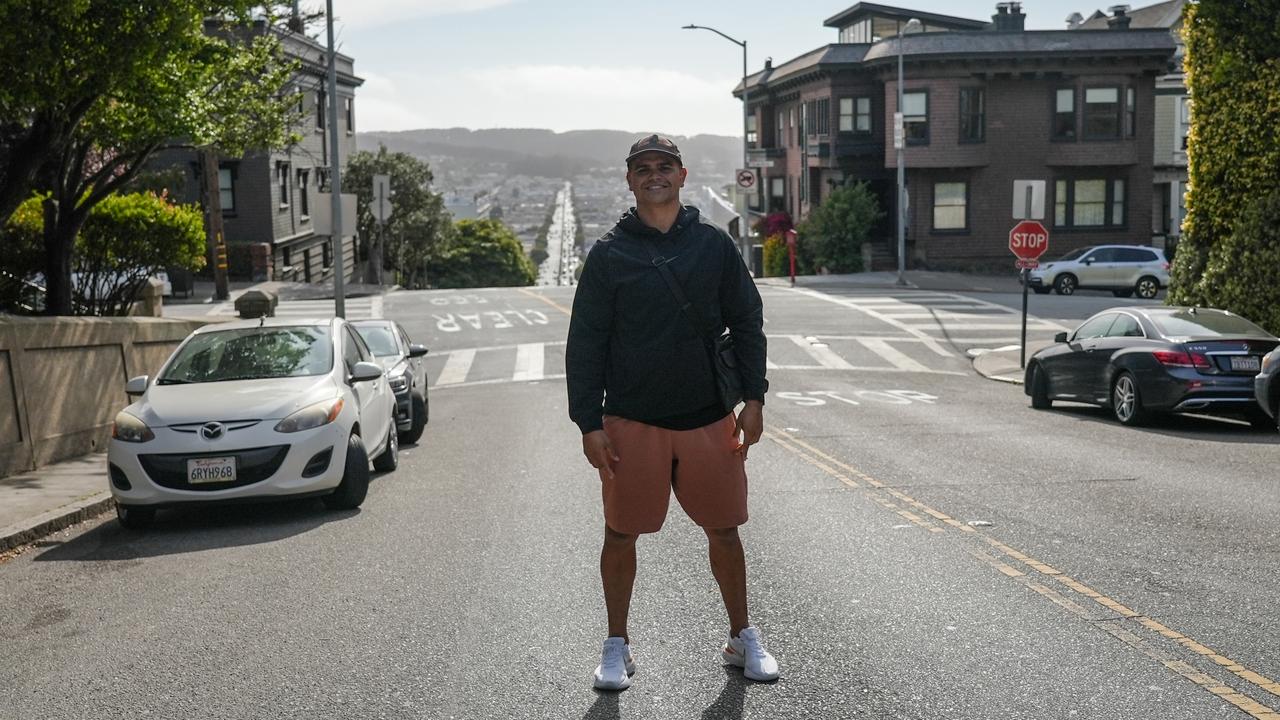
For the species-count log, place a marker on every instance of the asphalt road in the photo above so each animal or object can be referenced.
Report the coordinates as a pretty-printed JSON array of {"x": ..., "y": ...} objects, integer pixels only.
[{"x": 922, "y": 544}]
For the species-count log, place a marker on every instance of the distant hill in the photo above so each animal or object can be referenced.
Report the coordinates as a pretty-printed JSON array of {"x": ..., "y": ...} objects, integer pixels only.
[{"x": 528, "y": 151}]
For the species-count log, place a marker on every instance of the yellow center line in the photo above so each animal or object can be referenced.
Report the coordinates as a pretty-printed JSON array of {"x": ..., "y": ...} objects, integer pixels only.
[
  {"x": 546, "y": 300},
  {"x": 793, "y": 444}
]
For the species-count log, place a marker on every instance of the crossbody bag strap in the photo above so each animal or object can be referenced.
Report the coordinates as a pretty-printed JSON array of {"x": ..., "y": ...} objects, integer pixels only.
[{"x": 690, "y": 311}]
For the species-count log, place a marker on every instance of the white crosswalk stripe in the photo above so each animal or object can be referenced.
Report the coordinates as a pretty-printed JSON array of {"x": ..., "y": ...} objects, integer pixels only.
[
  {"x": 530, "y": 360},
  {"x": 362, "y": 308},
  {"x": 895, "y": 356},
  {"x": 456, "y": 367},
  {"x": 820, "y": 352}
]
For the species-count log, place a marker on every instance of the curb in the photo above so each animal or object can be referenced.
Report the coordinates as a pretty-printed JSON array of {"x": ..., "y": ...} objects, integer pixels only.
[{"x": 29, "y": 531}]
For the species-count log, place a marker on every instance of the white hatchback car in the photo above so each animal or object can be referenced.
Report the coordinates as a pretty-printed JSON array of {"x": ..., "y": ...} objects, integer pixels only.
[
  {"x": 1125, "y": 270},
  {"x": 253, "y": 410}
]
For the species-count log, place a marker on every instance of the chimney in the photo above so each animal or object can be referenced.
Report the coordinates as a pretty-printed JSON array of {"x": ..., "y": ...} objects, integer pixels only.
[
  {"x": 768, "y": 63},
  {"x": 1118, "y": 20},
  {"x": 1008, "y": 17},
  {"x": 1074, "y": 20}
]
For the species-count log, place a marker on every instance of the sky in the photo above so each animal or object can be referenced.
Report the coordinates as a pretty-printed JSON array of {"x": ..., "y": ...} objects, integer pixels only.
[{"x": 588, "y": 64}]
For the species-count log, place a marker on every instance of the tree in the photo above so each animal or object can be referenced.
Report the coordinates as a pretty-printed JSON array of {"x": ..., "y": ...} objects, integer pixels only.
[
  {"x": 124, "y": 240},
  {"x": 483, "y": 253},
  {"x": 99, "y": 86},
  {"x": 834, "y": 232},
  {"x": 419, "y": 222},
  {"x": 1233, "y": 77}
]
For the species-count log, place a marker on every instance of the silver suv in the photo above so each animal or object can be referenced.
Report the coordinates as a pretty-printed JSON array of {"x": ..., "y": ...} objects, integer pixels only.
[{"x": 1125, "y": 270}]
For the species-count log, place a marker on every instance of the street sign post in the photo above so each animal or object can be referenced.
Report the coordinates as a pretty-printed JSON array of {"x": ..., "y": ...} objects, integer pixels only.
[
  {"x": 1028, "y": 240},
  {"x": 791, "y": 254}
]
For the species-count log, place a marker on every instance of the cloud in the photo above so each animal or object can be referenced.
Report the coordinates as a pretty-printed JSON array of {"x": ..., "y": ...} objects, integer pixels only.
[
  {"x": 557, "y": 97},
  {"x": 363, "y": 14}
]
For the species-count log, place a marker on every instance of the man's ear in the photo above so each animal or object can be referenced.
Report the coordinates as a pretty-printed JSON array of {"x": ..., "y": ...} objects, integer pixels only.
[{"x": 684, "y": 173}]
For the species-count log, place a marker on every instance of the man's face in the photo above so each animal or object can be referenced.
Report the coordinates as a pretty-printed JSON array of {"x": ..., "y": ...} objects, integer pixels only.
[{"x": 655, "y": 178}]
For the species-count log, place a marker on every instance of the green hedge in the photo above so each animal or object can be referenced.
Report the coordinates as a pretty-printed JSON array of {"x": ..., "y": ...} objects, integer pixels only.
[{"x": 1233, "y": 77}]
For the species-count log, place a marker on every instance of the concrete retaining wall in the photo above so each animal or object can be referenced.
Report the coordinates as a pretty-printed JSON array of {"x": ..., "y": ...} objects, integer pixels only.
[{"x": 62, "y": 381}]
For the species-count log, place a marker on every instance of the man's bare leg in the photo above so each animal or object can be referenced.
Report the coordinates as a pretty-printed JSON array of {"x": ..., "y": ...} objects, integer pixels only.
[
  {"x": 729, "y": 566},
  {"x": 618, "y": 574}
]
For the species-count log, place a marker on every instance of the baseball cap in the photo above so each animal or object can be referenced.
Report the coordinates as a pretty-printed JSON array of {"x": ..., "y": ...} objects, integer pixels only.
[{"x": 655, "y": 143}]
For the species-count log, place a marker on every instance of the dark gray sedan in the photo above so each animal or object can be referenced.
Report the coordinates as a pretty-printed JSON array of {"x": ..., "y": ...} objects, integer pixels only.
[
  {"x": 1266, "y": 389},
  {"x": 1139, "y": 361},
  {"x": 402, "y": 362}
]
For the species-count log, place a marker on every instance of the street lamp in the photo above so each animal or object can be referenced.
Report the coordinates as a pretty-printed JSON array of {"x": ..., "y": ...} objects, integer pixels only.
[
  {"x": 900, "y": 141},
  {"x": 746, "y": 160}
]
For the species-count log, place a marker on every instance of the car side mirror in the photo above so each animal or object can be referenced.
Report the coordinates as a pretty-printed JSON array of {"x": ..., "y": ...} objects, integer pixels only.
[
  {"x": 365, "y": 371},
  {"x": 1060, "y": 337},
  {"x": 1087, "y": 261},
  {"x": 137, "y": 385},
  {"x": 416, "y": 350}
]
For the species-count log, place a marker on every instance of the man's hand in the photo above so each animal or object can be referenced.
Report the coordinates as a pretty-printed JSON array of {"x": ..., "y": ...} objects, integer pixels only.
[
  {"x": 599, "y": 451},
  {"x": 750, "y": 426}
]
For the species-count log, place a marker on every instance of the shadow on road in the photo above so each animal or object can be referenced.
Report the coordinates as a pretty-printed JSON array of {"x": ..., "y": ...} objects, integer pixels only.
[
  {"x": 604, "y": 708},
  {"x": 193, "y": 529},
  {"x": 1188, "y": 427},
  {"x": 728, "y": 704}
]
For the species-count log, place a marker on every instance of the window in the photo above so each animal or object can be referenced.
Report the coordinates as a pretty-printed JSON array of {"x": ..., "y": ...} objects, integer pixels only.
[
  {"x": 350, "y": 351},
  {"x": 752, "y": 135},
  {"x": 1101, "y": 113},
  {"x": 304, "y": 202},
  {"x": 322, "y": 179},
  {"x": 777, "y": 193},
  {"x": 859, "y": 32},
  {"x": 822, "y": 115},
  {"x": 782, "y": 129},
  {"x": 1088, "y": 204},
  {"x": 1064, "y": 114},
  {"x": 1094, "y": 328},
  {"x": 1125, "y": 326},
  {"x": 320, "y": 108},
  {"x": 1130, "y": 112},
  {"x": 793, "y": 138},
  {"x": 227, "y": 189},
  {"x": 282, "y": 181},
  {"x": 348, "y": 108},
  {"x": 972, "y": 115},
  {"x": 915, "y": 117},
  {"x": 950, "y": 205},
  {"x": 326, "y": 253},
  {"x": 855, "y": 115},
  {"x": 1184, "y": 121},
  {"x": 1136, "y": 255}
]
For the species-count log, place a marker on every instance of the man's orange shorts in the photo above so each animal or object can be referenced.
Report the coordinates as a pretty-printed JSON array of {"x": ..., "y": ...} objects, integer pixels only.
[{"x": 701, "y": 465}]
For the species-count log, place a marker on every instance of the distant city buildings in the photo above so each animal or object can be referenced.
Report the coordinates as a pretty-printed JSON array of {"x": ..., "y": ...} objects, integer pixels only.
[{"x": 985, "y": 103}]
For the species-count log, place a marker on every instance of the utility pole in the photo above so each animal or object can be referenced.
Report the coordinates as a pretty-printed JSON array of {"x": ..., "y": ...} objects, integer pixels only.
[
  {"x": 215, "y": 240},
  {"x": 335, "y": 174}
]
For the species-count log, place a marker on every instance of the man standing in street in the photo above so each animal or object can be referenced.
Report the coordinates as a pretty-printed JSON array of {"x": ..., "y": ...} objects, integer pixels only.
[{"x": 643, "y": 391}]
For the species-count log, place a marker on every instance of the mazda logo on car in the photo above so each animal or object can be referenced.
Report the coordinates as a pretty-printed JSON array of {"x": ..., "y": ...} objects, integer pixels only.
[{"x": 211, "y": 431}]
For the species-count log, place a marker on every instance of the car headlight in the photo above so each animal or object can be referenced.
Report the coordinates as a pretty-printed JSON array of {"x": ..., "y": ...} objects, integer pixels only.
[
  {"x": 311, "y": 416},
  {"x": 398, "y": 383},
  {"x": 1270, "y": 361},
  {"x": 128, "y": 428}
]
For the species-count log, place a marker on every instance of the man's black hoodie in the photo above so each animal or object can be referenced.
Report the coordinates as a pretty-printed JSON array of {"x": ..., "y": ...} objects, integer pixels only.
[{"x": 632, "y": 352}]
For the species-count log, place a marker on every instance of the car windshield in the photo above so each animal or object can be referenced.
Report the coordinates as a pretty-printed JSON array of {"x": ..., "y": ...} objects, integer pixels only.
[
  {"x": 1185, "y": 323},
  {"x": 379, "y": 339},
  {"x": 251, "y": 354},
  {"x": 1074, "y": 254}
]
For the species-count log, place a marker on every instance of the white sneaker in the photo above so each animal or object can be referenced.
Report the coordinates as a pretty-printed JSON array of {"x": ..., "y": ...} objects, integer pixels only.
[
  {"x": 616, "y": 665},
  {"x": 747, "y": 652}
]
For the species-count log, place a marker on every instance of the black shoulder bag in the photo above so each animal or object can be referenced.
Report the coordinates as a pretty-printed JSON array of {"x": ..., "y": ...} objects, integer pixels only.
[{"x": 724, "y": 361}]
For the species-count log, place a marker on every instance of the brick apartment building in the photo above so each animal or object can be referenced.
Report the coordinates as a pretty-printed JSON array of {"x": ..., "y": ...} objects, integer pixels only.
[
  {"x": 268, "y": 196},
  {"x": 985, "y": 104}
]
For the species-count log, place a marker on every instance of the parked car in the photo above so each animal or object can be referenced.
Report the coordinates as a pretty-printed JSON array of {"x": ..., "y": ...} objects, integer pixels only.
[
  {"x": 256, "y": 409},
  {"x": 1139, "y": 361},
  {"x": 1266, "y": 388},
  {"x": 1125, "y": 270},
  {"x": 402, "y": 361}
]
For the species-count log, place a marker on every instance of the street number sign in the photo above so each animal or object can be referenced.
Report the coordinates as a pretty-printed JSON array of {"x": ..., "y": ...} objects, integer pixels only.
[
  {"x": 1028, "y": 240},
  {"x": 746, "y": 179}
]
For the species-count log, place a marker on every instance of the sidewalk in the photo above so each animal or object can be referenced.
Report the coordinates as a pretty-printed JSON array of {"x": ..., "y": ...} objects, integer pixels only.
[
  {"x": 913, "y": 280},
  {"x": 48, "y": 499}
]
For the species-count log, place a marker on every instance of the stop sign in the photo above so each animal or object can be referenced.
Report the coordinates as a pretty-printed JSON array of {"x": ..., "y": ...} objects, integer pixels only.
[{"x": 1028, "y": 240}]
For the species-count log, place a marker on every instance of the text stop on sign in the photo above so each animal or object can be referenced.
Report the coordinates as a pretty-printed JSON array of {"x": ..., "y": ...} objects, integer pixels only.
[{"x": 1028, "y": 240}]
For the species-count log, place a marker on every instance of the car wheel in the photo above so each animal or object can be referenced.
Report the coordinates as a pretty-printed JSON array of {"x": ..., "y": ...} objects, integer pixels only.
[
  {"x": 389, "y": 460},
  {"x": 1126, "y": 401},
  {"x": 1122, "y": 293},
  {"x": 1039, "y": 388},
  {"x": 1041, "y": 290},
  {"x": 351, "y": 491},
  {"x": 1065, "y": 284},
  {"x": 1147, "y": 287},
  {"x": 135, "y": 518},
  {"x": 418, "y": 424}
]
